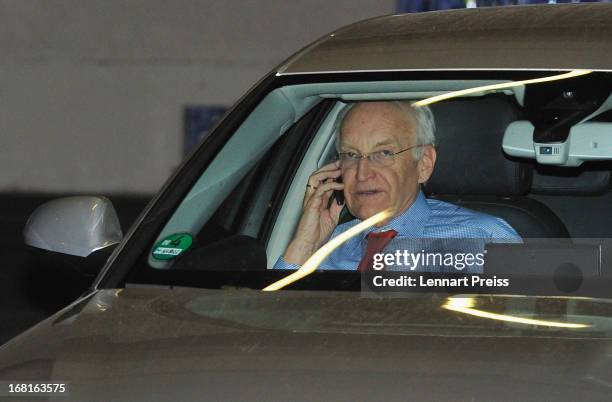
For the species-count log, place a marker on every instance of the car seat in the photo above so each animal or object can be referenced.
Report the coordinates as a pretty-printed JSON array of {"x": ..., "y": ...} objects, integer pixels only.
[{"x": 473, "y": 171}]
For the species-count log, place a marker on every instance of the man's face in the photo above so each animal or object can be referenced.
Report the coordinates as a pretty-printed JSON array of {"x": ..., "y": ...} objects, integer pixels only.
[{"x": 368, "y": 188}]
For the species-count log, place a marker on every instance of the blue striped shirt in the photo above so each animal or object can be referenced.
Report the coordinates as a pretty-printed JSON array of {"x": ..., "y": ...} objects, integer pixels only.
[{"x": 428, "y": 225}]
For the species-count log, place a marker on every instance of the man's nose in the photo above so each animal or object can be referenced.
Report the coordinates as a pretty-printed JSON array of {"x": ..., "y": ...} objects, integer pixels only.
[{"x": 364, "y": 169}]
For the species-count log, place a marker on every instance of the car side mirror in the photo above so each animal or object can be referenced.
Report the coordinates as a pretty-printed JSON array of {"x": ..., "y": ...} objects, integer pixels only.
[{"x": 77, "y": 226}]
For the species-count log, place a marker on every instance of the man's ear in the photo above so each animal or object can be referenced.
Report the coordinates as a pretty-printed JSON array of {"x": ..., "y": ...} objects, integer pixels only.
[{"x": 426, "y": 165}]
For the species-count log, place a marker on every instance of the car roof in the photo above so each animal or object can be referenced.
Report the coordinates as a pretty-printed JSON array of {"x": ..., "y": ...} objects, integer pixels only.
[{"x": 542, "y": 37}]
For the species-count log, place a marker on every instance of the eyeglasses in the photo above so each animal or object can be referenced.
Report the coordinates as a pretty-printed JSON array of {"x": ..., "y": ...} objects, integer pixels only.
[{"x": 384, "y": 157}]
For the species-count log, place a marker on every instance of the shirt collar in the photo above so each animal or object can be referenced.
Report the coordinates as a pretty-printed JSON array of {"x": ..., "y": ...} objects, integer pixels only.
[{"x": 411, "y": 222}]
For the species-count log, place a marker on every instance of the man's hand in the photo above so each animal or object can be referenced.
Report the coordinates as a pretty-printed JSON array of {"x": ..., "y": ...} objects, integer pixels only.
[{"x": 317, "y": 222}]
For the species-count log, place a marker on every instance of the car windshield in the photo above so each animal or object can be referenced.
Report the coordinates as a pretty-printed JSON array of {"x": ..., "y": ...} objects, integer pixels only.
[{"x": 474, "y": 181}]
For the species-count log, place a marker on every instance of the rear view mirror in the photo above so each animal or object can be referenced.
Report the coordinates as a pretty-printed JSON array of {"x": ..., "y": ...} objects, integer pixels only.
[
  {"x": 588, "y": 141},
  {"x": 74, "y": 225}
]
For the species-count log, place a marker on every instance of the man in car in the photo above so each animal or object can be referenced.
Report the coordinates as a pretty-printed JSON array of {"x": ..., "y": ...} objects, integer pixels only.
[{"x": 386, "y": 151}]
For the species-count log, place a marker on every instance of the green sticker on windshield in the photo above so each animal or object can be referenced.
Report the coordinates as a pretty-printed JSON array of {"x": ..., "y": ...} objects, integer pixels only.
[{"x": 172, "y": 246}]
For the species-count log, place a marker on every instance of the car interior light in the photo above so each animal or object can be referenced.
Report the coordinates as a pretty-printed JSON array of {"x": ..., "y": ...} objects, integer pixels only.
[
  {"x": 313, "y": 262},
  {"x": 464, "y": 92},
  {"x": 466, "y": 305}
]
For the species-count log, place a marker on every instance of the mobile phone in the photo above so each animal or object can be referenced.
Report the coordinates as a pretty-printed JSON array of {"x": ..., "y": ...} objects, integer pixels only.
[{"x": 337, "y": 195}]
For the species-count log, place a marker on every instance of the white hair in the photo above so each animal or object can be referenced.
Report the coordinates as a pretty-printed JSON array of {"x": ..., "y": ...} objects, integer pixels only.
[{"x": 422, "y": 116}]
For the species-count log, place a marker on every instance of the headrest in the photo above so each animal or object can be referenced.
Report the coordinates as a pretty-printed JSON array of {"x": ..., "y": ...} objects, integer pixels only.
[
  {"x": 469, "y": 134},
  {"x": 554, "y": 180}
]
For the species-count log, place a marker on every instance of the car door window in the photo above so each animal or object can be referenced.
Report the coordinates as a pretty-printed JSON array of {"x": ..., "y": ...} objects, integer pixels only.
[{"x": 252, "y": 179}]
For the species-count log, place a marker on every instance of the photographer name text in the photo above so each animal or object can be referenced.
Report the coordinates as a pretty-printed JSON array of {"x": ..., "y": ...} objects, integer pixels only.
[{"x": 405, "y": 281}]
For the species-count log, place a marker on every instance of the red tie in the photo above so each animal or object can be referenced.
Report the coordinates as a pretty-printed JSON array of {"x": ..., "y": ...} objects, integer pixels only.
[{"x": 376, "y": 243}]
